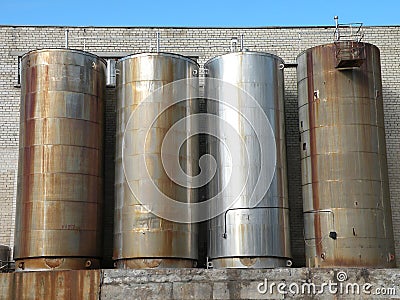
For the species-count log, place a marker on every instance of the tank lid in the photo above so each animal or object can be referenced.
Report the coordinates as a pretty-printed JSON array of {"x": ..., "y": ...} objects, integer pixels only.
[
  {"x": 164, "y": 54},
  {"x": 64, "y": 50},
  {"x": 245, "y": 53}
]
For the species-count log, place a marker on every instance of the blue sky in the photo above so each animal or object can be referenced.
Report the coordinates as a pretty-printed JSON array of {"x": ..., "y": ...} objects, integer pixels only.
[{"x": 197, "y": 13}]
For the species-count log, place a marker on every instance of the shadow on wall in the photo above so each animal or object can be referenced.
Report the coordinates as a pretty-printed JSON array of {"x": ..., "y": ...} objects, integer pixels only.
[
  {"x": 392, "y": 119},
  {"x": 294, "y": 178},
  {"x": 109, "y": 175}
]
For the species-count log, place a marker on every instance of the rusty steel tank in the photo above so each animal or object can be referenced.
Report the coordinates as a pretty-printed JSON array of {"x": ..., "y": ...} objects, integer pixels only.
[
  {"x": 347, "y": 211},
  {"x": 244, "y": 236},
  {"x": 143, "y": 239},
  {"x": 60, "y": 172}
]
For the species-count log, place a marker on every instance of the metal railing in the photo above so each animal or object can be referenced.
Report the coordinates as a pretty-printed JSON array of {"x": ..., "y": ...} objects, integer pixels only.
[
  {"x": 351, "y": 32},
  {"x": 350, "y": 52}
]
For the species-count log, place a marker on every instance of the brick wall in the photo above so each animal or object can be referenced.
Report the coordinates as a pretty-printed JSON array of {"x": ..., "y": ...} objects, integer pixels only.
[{"x": 203, "y": 43}]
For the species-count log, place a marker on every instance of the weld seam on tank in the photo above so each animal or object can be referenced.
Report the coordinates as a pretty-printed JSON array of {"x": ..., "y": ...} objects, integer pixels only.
[
  {"x": 340, "y": 177},
  {"x": 136, "y": 243},
  {"x": 43, "y": 242},
  {"x": 227, "y": 247}
]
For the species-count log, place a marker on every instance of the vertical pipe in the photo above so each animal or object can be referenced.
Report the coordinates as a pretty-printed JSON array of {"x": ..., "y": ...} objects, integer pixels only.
[
  {"x": 241, "y": 42},
  {"x": 108, "y": 82},
  {"x": 234, "y": 42},
  {"x": 66, "y": 38},
  {"x": 337, "y": 35},
  {"x": 84, "y": 39},
  {"x": 158, "y": 42}
]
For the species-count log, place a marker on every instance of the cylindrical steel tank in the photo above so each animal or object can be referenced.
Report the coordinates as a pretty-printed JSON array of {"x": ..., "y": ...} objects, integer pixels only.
[
  {"x": 245, "y": 236},
  {"x": 60, "y": 172},
  {"x": 4, "y": 257},
  {"x": 141, "y": 238},
  {"x": 347, "y": 210}
]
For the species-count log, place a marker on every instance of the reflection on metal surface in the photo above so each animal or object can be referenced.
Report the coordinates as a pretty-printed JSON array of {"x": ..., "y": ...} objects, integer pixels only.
[
  {"x": 141, "y": 239},
  {"x": 245, "y": 237},
  {"x": 60, "y": 181},
  {"x": 60, "y": 285},
  {"x": 347, "y": 210}
]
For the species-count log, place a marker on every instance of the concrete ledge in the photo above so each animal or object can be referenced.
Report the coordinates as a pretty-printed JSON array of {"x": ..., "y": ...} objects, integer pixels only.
[
  {"x": 245, "y": 284},
  {"x": 51, "y": 285},
  {"x": 203, "y": 284}
]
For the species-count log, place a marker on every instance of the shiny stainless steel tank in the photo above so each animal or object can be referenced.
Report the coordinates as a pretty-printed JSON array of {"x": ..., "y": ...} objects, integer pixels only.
[
  {"x": 245, "y": 237},
  {"x": 347, "y": 210},
  {"x": 60, "y": 172},
  {"x": 142, "y": 239}
]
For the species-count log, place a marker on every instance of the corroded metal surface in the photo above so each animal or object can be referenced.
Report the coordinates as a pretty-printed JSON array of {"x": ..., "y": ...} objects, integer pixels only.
[
  {"x": 60, "y": 181},
  {"x": 57, "y": 263},
  {"x": 150, "y": 263},
  {"x": 250, "y": 262},
  {"x": 347, "y": 210},
  {"x": 141, "y": 239},
  {"x": 245, "y": 237},
  {"x": 63, "y": 285}
]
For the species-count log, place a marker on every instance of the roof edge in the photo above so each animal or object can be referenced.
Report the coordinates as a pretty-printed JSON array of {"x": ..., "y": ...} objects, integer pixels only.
[{"x": 188, "y": 27}]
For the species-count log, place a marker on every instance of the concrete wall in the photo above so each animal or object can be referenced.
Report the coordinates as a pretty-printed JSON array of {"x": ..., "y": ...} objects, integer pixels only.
[
  {"x": 203, "y": 43},
  {"x": 203, "y": 284}
]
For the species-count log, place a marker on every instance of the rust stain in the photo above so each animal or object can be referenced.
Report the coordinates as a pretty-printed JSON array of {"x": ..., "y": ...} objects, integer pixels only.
[
  {"x": 360, "y": 261},
  {"x": 248, "y": 261},
  {"x": 313, "y": 152},
  {"x": 143, "y": 240},
  {"x": 154, "y": 263},
  {"x": 51, "y": 285},
  {"x": 246, "y": 71},
  {"x": 348, "y": 112},
  {"x": 56, "y": 263},
  {"x": 57, "y": 195}
]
